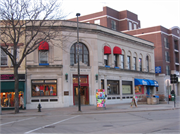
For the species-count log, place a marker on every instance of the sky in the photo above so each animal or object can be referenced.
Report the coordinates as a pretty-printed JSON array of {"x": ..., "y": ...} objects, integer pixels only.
[{"x": 150, "y": 12}]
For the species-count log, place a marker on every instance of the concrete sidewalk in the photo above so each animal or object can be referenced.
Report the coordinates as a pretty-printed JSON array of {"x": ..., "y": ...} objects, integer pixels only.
[{"x": 110, "y": 108}]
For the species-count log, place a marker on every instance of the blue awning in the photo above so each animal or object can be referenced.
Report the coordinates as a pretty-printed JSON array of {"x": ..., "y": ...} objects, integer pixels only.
[
  {"x": 141, "y": 82},
  {"x": 146, "y": 82},
  {"x": 153, "y": 83}
]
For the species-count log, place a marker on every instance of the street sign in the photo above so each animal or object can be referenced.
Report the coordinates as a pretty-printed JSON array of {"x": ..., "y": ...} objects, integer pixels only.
[{"x": 158, "y": 69}]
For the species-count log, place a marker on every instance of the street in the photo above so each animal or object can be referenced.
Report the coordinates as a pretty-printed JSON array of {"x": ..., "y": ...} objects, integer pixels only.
[{"x": 165, "y": 121}]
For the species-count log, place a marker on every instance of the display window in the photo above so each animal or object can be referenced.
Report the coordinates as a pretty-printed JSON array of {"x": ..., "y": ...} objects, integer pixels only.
[
  {"x": 44, "y": 88},
  {"x": 139, "y": 89},
  {"x": 113, "y": 87},
  {"x": 8, "y": 98},
  {"x": 126, "y": 89}
]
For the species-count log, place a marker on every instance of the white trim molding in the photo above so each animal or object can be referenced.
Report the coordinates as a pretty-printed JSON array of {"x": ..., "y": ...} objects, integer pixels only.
[
  {"x": 157, "y": 32},
  {"x": 111, "y": 18}
]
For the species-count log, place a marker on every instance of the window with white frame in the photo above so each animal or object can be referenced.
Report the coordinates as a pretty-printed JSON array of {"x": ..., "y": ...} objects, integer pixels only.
[
  {"x": 130, "y": 25},
  {"x": 128, "y": 62},
  {"x": 115, "y": 60},
  {"x": 97, "y": 22},
  {"x": 17, "y": 55},
  {"x": 166, "y": 44},
  {"x": 147, "y": 63},
  {"x": 135, "y": 26},
  {"x": 122, "y": 61},
  {"x": 3, "y": 58},
  {"x": 43, "y": 56},
  {"x": 167, "y": 70},
  {"x": 134, "y": 63},
  {"x": 167, "y": 56},
  {"x": 140, "y": 64},
  {"x": 106, "y": 59},
  {"x": 113, "y": 24}
]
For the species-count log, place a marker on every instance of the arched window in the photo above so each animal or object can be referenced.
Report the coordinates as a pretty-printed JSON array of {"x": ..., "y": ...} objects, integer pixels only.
[{"x": 83, "y": 54}]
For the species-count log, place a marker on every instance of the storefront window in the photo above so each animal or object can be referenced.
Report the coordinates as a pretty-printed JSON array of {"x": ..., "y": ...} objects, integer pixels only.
[
  {"x": 139, "y": 89},
  {"x": 126, "y": 89},
  {"x": 44, "y": 88},
  {"x": 113, "y": 87},
  {"x": 8, "y": 98}
]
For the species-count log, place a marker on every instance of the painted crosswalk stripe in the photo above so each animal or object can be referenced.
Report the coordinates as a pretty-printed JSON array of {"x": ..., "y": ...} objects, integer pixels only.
[{"x": 51, "y": 124}]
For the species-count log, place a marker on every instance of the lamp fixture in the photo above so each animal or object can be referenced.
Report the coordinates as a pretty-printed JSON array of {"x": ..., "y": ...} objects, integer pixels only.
[
  {"x": 66, "y": 77},
  {"x": 96, "y": 76}
]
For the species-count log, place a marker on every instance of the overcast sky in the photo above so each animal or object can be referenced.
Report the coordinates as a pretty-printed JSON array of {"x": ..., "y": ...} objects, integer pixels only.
[{"x": 150, "y": 12}]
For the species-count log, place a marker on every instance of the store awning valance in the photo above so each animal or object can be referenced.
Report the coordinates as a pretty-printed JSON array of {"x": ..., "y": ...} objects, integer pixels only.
[
  {"x": 107, "y": 50},
  {"x": 141, "y": 82},
  {"x": 146, "y": 82},
  {"x": 8, "y": 86},
  {"x": 43, "y": 45},
  {"x": 153, "y": 83},
  {"x": 117, "y": 50}
]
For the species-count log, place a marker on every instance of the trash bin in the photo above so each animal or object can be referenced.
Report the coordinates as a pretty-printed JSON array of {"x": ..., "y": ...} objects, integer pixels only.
[
  {"x": 157, "y": 98},
  {"x": 153, "y": 100},
  {"x": 148, "y": 101},
  {"x": 172, "y": 97}
]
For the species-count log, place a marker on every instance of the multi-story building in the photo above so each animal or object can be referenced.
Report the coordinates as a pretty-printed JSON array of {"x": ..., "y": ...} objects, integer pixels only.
[
  {"x": 167, "y": 53},
  {"x": 7, "y": 73},
  {"x": 121, "y": 64},
  {"x": 166, "y": 41}
]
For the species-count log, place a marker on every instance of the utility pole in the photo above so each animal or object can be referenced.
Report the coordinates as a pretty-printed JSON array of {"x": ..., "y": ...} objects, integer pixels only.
[{"x": 77, "y": 45}]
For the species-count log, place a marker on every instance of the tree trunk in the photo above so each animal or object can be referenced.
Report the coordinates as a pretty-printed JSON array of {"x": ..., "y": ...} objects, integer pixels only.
[{"x": 16, "y": 88}]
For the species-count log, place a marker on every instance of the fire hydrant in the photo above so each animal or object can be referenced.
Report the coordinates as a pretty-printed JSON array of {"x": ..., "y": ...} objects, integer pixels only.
[{"x": 39, "y": 107}]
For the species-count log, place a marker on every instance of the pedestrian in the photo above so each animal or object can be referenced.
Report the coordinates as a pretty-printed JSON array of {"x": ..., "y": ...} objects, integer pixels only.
[
  {"x": 133, "y": 101},
  {"x": 21, "y": 102}
]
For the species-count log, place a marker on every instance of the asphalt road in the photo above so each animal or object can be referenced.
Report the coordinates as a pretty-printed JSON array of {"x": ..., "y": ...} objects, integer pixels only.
[{"x": 167, "y": 121}]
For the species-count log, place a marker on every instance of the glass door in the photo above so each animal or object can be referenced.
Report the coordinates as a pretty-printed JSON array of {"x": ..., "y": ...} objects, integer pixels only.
[{"x": 84, "y": 94}]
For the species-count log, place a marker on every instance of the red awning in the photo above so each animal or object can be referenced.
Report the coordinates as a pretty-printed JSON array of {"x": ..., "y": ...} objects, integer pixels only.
[
  {"x": 43, "y": 45},
  {"x": 117, "y": 50},
  {"x": 107, "y": 50}
]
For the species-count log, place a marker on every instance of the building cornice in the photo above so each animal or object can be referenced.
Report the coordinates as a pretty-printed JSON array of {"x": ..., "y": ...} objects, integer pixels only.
[
  {"x": 156, "y": 33},
  {"x": 108, "y": 16}
]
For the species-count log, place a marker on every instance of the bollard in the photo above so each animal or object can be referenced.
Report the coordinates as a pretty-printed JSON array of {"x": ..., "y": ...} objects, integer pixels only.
[{"x": 39, "y": 107}]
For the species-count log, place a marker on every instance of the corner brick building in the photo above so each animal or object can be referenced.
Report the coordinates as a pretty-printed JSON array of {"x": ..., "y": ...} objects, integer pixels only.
[{"x": 166, "y": 42}]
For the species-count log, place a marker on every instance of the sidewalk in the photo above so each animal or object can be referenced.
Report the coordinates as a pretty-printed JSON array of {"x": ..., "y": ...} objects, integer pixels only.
[{"x": 110, "y": 108}]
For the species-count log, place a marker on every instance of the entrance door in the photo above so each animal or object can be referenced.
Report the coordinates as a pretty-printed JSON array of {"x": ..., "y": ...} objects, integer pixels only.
[{"x": 84, "y": 94}]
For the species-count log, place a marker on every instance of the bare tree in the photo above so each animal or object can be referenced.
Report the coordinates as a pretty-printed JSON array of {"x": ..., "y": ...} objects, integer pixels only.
[{"x": 27, "y": 22}]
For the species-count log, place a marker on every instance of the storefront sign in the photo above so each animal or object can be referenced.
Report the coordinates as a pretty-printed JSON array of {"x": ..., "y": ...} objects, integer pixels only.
[
  {"x": 66, "y": 93},
  {"x": 144, "y": 82},
  {"x": 11, "y": 76},
  {"x": 7, "y": 76}
]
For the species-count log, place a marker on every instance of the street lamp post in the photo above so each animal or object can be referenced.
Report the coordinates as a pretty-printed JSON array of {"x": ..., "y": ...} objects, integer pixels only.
[{"x": 77, "y": 45}]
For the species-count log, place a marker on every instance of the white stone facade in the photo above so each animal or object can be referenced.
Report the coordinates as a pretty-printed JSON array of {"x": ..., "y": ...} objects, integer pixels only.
[{"x": 94, "y": 37}]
